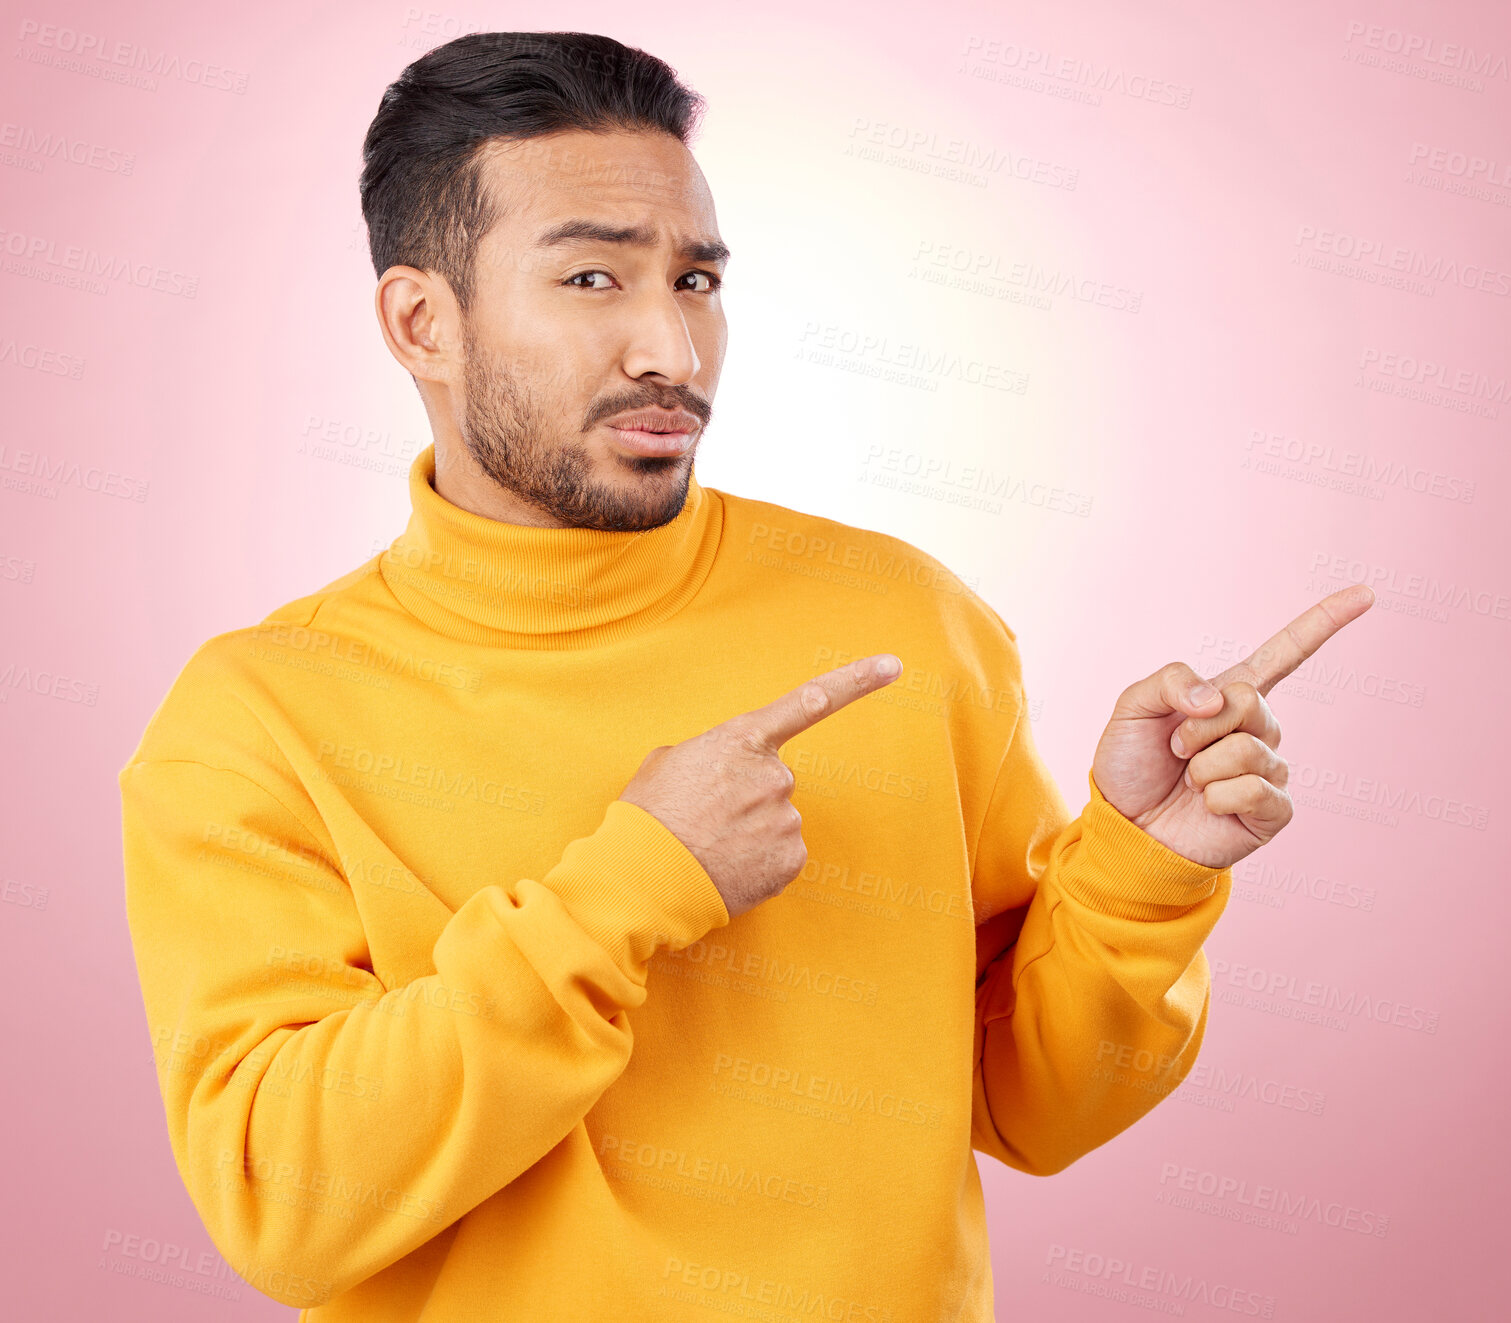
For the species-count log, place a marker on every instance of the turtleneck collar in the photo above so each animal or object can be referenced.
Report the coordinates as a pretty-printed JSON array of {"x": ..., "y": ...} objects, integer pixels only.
[{"x": 487, "y": 581}]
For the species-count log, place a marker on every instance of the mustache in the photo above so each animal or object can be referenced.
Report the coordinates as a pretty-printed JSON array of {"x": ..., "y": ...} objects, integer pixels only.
[{"x": 677, "y": 397}]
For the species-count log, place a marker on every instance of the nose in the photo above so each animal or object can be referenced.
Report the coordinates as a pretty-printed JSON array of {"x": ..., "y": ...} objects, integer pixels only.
[{"x": 659, "y": 342}]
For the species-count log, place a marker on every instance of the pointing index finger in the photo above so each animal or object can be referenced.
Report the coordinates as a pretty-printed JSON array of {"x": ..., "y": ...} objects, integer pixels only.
[
  {"x": 1282, "y": 653},
  {"x": 820, "y": 697}
]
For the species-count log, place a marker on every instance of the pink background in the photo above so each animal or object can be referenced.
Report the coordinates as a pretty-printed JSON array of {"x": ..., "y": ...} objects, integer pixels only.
[{"x": 1236, "y": 421}]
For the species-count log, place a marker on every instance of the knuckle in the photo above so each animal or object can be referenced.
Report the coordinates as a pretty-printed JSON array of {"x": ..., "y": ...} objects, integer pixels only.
[
  {"x": 813, "y": 697},
  {"x": 743, "y": 736},
  {"x": 1271, "y": 724},
  {"x": 1279, "y": 806},
  {"x": 1244, "y": 697},
  {"x": 1194, "y": 733}
]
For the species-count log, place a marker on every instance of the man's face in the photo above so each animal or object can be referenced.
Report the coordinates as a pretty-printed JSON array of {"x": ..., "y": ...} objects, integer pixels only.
[{"x": 568, "y": 331}]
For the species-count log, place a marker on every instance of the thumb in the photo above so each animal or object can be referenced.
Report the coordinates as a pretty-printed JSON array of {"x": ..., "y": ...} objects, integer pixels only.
[{"x": 1173, "y": 688}]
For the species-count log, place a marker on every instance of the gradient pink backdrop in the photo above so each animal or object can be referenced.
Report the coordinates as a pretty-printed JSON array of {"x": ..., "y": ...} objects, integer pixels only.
[{"x": 1237, "y": 423}]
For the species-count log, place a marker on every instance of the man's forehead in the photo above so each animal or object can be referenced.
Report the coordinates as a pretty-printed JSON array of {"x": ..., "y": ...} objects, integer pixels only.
[
  {"x": 578, "y": 231},
  {"x": 553, "y": 176}
]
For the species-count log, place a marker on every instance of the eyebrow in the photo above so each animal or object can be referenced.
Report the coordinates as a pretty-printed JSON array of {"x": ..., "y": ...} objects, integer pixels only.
[{"x": 639, "y": 236}]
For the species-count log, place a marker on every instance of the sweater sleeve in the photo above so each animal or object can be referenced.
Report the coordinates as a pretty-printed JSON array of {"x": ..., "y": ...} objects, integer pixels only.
[
  {"x": 326, "y": 1125},
  {"x": 1092, "y": 987}
]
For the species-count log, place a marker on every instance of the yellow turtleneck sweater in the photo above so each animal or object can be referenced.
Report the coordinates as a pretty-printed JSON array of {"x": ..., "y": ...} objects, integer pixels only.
[{"x": 447, "y": 1031}]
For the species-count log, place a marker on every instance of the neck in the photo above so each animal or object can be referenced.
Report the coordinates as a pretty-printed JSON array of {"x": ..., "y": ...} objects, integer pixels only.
[{"x": 490, "y": 581}]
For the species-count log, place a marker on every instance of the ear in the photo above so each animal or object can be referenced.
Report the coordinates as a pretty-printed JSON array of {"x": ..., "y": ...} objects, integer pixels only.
[{"x": 421, "y": 323}]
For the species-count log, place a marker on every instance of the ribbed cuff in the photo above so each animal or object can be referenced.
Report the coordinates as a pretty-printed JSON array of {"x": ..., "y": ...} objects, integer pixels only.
[
  {"x": 1121, "y": 869},
  {"x": 634, "y": 887}
]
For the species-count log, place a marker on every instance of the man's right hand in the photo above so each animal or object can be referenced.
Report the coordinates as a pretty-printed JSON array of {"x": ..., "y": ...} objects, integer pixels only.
[{"x": 723, "y": 793}]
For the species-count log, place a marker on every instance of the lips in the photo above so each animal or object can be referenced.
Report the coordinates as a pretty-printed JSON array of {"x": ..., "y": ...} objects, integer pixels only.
[
  {"x": 654, "y": 433},
  {"x": 655, "y": 420}
]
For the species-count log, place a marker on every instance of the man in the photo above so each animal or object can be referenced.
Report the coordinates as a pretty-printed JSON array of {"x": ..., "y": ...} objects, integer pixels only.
[{"x": 575, "y": 912}]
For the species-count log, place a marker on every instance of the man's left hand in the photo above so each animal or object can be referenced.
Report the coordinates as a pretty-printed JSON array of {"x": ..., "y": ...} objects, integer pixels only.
[{"x": 1193, "y": 762}]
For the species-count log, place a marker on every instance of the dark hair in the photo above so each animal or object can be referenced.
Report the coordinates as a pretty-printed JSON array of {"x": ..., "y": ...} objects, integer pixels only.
[{"x": 423, "y": 193}]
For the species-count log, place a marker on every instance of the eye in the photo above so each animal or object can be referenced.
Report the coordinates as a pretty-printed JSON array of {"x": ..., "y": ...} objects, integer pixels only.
[
  {"x": 714, "y": 281},
  {"x": 571, "y": 280}
]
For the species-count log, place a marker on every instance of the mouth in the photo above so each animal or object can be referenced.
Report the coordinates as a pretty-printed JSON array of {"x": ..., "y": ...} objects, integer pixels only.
[{"x": 654, "y": 432}]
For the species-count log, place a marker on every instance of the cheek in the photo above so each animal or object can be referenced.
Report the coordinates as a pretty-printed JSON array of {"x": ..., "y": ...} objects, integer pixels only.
[
  {"x": 540, "y": 350},
  {"x": 571, "y": 352},
  {"x": 710, "y": 343}
]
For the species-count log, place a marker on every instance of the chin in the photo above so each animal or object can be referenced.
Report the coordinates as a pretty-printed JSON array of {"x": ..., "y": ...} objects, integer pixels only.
[
  {"x": 637, "y": 494},
  {"x": 645, "y": 464}
]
